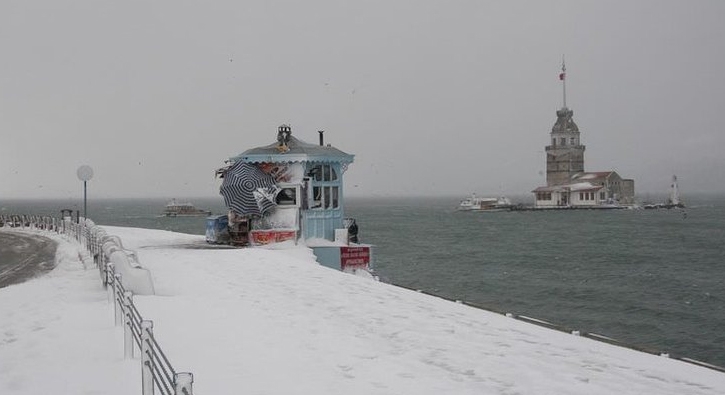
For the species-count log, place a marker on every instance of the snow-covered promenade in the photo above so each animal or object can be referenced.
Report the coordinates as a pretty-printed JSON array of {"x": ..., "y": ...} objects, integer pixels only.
[{"x": 263, "y": 321}]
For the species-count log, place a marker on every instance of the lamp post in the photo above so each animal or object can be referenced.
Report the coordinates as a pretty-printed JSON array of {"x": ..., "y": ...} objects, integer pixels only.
[{"x": 85, "y": 173}]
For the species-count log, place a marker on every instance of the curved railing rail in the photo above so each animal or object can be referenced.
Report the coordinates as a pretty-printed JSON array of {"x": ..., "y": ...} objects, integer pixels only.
[{"x": 157, "y": 372}]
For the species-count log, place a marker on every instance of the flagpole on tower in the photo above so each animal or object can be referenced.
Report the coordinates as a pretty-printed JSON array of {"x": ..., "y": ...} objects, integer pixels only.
[{"x": 562, "y": 77}]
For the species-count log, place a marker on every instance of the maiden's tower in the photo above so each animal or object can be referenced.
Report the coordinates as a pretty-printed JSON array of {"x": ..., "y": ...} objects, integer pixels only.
[{"x": 568, "y": 185}]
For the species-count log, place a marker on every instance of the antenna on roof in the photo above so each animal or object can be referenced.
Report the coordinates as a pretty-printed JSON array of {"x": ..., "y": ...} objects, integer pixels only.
[{"x": 562, "y": 78}]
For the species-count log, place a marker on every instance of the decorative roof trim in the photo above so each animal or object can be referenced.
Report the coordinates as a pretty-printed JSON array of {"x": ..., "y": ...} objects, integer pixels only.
[
  {"x": 290, "y": 159},
  {"x": 295, "y": 150}
]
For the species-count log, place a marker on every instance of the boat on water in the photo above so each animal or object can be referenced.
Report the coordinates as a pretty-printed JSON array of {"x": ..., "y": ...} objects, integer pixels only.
[
  {"x": 673, "y": 201},
  {"x": 175, "y": 209},
  {"x": 487, "y": 204}
]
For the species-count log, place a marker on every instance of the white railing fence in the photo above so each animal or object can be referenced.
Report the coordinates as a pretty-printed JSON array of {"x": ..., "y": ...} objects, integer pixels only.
[{"x": 157, "y": 373}]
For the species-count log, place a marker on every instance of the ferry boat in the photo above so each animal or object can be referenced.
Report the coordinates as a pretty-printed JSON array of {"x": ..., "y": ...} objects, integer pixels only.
[
  {"x": 174, "y": 209},
  {"x": 488, "y": 204}
]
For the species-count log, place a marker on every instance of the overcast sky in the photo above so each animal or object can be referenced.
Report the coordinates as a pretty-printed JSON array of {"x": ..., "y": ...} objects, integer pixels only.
[{"x": 432, "y": 97}]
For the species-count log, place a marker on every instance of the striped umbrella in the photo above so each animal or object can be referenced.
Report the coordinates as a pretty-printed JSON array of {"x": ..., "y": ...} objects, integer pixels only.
[{"x": 247, "y": 190}]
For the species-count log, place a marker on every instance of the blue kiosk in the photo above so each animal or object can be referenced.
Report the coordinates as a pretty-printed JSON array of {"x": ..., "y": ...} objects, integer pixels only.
[{"x": 291, "y": 190}]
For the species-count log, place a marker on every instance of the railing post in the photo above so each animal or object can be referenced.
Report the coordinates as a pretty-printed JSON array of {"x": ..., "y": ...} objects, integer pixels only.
[
  {"x": 116, "y": 303},
  {"x": 109, "y": 271},
  {"x": 183, "y": 383},
  {"x": 98, "y": 260},
  {"x": 110, "y": 284},
  {"x": 147, "y": 368},
  {"x": 127, "y": 329}
]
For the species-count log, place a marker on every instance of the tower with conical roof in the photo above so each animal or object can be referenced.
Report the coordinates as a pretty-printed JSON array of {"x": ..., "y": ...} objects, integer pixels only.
[{"x": 565, "y": 155}]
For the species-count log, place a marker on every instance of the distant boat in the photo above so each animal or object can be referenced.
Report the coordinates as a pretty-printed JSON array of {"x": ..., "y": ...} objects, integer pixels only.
[
  {"x": 174, "y": 209},
  {"x": 673, "y": 201},
  {"x": 488, "y": 204}
]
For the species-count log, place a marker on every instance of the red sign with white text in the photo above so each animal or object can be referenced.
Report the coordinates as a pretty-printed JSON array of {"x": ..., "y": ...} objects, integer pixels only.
[
  {"x": 262, "y": 237},
  {"x": 354, "y": 258}
]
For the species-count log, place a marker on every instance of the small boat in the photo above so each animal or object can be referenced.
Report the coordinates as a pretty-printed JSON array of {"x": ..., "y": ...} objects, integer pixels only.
[
  {"x": 174, "y": 209},
  {"x": 488, "y": 204}
]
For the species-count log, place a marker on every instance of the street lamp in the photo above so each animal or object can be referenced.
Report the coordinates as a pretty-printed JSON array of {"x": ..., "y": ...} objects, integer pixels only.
[{"x": 84, "y": 173}]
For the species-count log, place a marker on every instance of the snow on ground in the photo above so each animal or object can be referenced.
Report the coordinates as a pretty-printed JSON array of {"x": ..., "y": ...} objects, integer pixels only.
[
  {"x": 272, "y": 321},
  {"x": 57, "y": 334}
]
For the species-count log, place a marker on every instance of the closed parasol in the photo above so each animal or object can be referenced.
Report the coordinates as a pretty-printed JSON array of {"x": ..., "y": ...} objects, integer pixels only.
[{"x": 247, "y": 190}]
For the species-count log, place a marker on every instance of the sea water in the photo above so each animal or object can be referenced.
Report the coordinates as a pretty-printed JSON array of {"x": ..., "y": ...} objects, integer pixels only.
[
  {"x": 649, "y": 278},
  {"x": 654, "y": 279}
]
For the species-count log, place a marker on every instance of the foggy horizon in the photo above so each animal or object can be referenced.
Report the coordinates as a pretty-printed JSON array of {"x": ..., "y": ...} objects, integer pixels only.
[{"x": 433, "y": 98}]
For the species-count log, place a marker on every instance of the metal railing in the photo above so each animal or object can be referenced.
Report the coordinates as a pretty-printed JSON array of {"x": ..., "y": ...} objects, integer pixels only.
[{"x": 157, "y": 373}]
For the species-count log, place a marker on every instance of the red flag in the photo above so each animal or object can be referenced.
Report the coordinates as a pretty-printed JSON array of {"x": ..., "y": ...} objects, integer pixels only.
[{"x": 562, "y": 76}]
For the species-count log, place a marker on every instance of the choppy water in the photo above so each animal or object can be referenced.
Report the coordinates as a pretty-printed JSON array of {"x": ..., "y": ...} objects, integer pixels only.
[{"x": 651, "y": 278}]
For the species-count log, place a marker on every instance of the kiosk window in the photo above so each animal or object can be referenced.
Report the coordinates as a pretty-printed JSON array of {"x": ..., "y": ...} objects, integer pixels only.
[
  {"x": 323, "y": 173},
  {"x": 287, "y": 197},
  {"x": 325, "y": 197}
]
